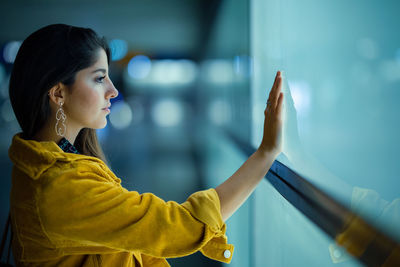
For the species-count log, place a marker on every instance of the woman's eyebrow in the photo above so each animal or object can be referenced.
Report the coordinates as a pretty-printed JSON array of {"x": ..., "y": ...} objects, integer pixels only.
[{"x": 102, "y": 70}]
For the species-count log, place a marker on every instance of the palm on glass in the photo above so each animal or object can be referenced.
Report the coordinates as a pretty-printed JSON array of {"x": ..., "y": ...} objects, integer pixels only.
[{"x": 272, "y": 137}]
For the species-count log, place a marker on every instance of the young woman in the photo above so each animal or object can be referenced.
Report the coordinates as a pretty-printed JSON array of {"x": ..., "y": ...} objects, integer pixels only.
[{"x": 67, "y": 207}]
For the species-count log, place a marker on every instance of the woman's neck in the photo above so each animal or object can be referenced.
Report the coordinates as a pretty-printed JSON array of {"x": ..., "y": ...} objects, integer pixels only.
[{"x": 48, "y": 133}]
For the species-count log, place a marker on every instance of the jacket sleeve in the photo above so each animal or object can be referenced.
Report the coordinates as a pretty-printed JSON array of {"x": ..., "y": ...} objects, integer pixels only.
[{"x": 83, "y": 207}]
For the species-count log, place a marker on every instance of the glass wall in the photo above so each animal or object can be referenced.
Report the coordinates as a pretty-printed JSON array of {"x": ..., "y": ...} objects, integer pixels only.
[
  {"x": 341, "y": 67},
  {"x": 341, "y": 63}
]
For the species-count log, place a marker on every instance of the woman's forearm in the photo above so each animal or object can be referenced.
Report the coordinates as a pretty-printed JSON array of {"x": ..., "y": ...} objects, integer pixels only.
[{"x": 235, "y": 190}]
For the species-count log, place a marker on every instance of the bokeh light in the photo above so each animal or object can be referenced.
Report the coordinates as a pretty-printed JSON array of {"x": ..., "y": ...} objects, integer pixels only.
[
  {"x": 167, "y": 112},
  {"x": 121, "y": 115},
  {"x": 10, "y": 51},
  {"x": 139, "y": 67},
  {"x": 119, "y": 49}
]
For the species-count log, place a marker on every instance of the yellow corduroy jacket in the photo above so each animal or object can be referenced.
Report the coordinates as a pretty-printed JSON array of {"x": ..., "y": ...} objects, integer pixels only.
[{"x": 71, "y": 210}]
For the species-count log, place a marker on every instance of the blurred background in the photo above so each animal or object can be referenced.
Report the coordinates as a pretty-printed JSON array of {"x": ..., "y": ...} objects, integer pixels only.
[{"x": 193, "y": 76}]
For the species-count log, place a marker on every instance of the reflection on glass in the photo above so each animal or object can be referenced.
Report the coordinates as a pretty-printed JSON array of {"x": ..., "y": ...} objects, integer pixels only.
[{"x": 366, "y": 202}]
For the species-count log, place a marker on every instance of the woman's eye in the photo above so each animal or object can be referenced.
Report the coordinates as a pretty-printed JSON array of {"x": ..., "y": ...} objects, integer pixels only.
[{"x": 100, "y": 79}]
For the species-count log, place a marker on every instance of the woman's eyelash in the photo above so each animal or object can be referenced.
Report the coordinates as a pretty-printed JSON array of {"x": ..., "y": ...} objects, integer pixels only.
[{"x": 100, "y": 79}]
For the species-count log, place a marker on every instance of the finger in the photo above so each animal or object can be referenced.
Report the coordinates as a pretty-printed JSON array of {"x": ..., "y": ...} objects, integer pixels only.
[
  {"x": 279, "y": 105},
  {"x": 275, "y": 93},
  {"x": 274, "y": 84}
]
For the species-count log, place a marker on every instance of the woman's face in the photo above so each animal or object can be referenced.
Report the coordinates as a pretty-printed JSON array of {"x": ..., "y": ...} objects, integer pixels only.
[{"x": 90, "y": 95}]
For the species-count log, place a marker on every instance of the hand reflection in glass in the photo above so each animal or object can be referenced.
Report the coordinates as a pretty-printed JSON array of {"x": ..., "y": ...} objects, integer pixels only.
[{"x": 363, "y": 201}]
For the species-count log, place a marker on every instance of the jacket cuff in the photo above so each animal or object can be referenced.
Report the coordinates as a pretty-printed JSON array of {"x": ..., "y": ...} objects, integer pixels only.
[
  {"x": 218, "y": 249},
  {"x": 205, "y": 206}
]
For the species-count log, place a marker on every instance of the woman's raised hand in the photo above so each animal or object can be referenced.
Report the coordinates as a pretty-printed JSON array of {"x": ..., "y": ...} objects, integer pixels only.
[
  {"x": 272, "y": 137},
  {"x": 237, "y": 188}
]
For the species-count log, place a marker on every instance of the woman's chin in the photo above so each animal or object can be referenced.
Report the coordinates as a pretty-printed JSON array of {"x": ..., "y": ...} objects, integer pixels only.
[{"x": 100, "y": 125}]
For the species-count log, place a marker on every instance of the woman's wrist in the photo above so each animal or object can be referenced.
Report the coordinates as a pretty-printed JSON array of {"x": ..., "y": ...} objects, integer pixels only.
[{"x": 268, "y": 154}]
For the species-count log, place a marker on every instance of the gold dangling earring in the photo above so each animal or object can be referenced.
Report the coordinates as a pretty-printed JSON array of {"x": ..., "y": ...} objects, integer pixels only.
[{"x": 60, "y": 115}]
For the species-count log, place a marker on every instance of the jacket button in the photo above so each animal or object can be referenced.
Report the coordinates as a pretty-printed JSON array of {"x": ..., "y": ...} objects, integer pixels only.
[{"x": 227, "y": 254}]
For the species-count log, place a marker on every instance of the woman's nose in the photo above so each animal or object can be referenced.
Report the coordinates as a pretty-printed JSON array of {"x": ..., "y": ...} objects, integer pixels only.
[{"x": 112, "y": 91}]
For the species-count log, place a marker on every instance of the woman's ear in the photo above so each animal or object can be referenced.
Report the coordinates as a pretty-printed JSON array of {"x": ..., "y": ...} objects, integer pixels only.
[{"x": 57, "y": 94}]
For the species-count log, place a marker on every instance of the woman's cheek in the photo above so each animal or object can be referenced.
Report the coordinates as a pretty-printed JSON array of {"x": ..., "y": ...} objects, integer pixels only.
[{"x": 91, "y": 97}]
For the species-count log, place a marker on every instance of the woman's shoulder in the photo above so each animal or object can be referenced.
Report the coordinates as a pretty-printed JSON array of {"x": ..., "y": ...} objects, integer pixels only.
[
  {"x": 35, "y": 158},
  {"x": 83, "y": 167}
]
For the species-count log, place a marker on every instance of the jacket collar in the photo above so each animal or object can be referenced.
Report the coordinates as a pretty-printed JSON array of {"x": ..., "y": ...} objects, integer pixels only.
[{"x": 34, "y": 158}]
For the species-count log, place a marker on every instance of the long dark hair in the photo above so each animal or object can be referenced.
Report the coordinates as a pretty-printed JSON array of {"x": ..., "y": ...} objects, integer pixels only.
[{"x": 50, "y": 55}]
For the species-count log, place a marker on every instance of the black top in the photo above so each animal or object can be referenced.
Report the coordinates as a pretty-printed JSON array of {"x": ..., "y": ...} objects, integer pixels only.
[{"x": 66, "y": 146}]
